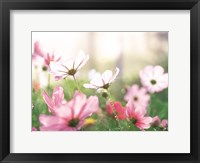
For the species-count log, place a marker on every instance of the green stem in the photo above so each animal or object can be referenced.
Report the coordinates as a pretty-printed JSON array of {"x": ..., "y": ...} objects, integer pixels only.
[
  {"x": 49, "y": 82},
  {"x": 68, "y": 89},
  {"x": 115, "y": 114},
  {"x": 113, "y": 108},
  {"x": 77, "y": 86}
]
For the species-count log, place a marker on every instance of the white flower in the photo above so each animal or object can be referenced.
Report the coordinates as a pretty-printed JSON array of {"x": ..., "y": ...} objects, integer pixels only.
[
  {"x": 154, "y": 79},
  {"x": 102, "y": 81},
  {"x": 69, "y": 68},
  {"x": 92, "y": 73}
]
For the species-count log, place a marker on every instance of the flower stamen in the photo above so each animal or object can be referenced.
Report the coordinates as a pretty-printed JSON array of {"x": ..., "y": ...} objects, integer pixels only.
[
  {"x": 72, "y": 72},
  {"x": 133, "y": 120},
  {"x": 153, "y": 82},
  {"x": 135, "y": 98},
  {"x": 73, "y": 122}
]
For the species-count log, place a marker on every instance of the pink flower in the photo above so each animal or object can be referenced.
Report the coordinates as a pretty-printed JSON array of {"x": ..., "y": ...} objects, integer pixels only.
[
  {"x": 34, "y": 129},
  {"x": 57, "y": 98},
  {"x": 38, "y": 49},
  {"x": 39, "y": 55},
  {"x": 137, "y": 116},
  {"x": 117, "y": 108},
  {"x": 70, "y": 68},
  {"x": 156, "y": 121},
  {"x": 154, "y": 79},
  {"x": 102, "y": 81},
  {"x": 164, "y": 123},
  {"x": 71, "y": 115},
  {"x": 50, "y": 58},
  {"x": 138, "y": 95}
]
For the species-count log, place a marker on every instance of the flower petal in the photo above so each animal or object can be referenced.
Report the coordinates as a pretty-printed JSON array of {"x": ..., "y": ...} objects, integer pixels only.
[
  {"x": 164, "y": 123},
  {"x": 57, "y": 68},
  {"x": 144, "y": 123},
  {"x": 64, "y": 111},
  {"x": 70, "y": 64},
  {"x": 130, "y": 109},
  {"x": 90, "y": 86},
  {"x": 132, "y": 92},
  {"x": 91, "y": 106},
  {"x": 106, "y": 76},
  {"x": 156, "y": 121},
  {"x": 48, "y": 101},
  {"x": 115, "y": 75},
  {"x": 55, "y": 127},
  {"x": 157, "y": 71},
  {"x": 78, "y": 103},
  {"x": 147, "y": 73},
  {"x": 60, "y": 77},
  {"x": 97, "y": 80},
  {"x": 80, "y": 60},
  {"x": 49, "y": 120},
  {"x": 38, "y": 50},
  {"x": 58, "y": 96}
]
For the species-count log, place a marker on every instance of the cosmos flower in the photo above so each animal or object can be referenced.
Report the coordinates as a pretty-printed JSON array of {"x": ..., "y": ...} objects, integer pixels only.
[
  {"x": 38, "y": 49},
  {"x": 92, "y": 73},
  {"x": 117, "y": 108},
  {"x": 155, "y": 121},
  {"x": 71, "y": 115},
  {"x": 154, "y": 79},
  {"x": 69, "y": 68},
  {"x": 164, "y": 123},
  {"x": 138, "y": 95},
  {"x": 102, "y": 81},
  {"x": 49, "y": 58},
  {"x": 57, "y": 98},
  {"x": 137, "y": 116},
  {"x": 43, "y": 57}
]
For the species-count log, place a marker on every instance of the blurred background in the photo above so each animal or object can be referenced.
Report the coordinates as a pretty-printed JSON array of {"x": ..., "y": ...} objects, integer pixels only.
[{"x": 130, "y": 51}]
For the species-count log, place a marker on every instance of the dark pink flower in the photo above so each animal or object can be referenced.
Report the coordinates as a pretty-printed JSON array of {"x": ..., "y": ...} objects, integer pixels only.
[
  {"x": 137, "y": 116},
  {"x": 117, "y": 108},
  {"x": 71, "y": 115}
]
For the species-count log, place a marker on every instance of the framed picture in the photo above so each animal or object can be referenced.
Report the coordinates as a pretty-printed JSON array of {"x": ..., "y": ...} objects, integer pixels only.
[{"x": 99, "y": 81}]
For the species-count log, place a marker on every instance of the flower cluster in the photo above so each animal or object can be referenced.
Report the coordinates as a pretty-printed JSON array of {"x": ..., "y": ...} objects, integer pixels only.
[{"x": 82, "y": 110}]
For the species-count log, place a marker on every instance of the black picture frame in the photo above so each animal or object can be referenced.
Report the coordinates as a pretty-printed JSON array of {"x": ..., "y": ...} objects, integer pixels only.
[{"x": 7, "y": 5}]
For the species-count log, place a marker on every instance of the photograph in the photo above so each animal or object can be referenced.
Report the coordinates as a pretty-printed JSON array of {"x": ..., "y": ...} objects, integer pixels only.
[
  {"x": 99, "y": 81},
  {"x": 118, "y": 79}
]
